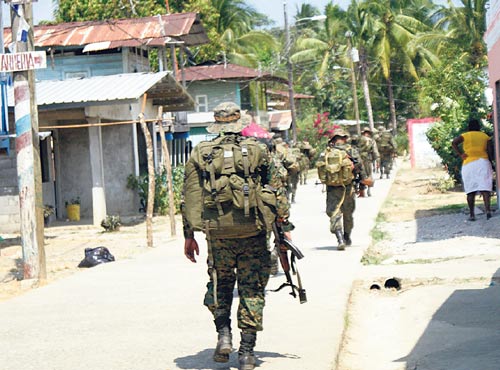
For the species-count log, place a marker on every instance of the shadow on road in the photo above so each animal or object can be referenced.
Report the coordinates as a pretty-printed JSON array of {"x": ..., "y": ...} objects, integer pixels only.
[
  {"x": 203, "y": 360},
  {"x": 326, "y": 248},
  {"x": 463, "y": 334}
]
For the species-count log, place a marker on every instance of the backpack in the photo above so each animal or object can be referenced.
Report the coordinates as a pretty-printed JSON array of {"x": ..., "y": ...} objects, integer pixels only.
[
  {"x": 335, "y": 167},
  {"x": 289, "y": 159},
  {"x": 223, "y": 192},
  {"x": 384, "y": 142}
]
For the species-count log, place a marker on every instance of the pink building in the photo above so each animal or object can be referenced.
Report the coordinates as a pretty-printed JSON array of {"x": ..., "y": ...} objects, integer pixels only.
[{"x": 492, "y": 39}]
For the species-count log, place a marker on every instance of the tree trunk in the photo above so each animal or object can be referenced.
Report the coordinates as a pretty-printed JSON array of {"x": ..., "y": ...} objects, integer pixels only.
[
  {"x": 392, "y": 105},
  {"x": 168, "y": 166},
  {"x": 366, "y": 88},
  {"x": 151, "y": 177}
]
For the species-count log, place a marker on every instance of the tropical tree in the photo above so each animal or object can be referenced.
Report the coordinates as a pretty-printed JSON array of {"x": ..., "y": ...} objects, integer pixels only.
[
  {"x": 394, "y": 30},
  {"x": 464, "y": 27}
]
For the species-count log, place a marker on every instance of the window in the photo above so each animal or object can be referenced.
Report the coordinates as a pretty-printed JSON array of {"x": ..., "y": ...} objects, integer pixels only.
[{"x": 201, "y": 103}]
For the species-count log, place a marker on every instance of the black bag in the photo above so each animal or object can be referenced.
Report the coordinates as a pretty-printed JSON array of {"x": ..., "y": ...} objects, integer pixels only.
[{"x": 96, "y": 256}]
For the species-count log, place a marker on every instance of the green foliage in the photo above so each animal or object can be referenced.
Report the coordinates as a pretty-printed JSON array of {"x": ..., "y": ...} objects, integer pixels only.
[
  {"x": 454, "y": 92},
  {"x": 441, "y": 184},
  {"x": 88, "y": 10},
  {"x": 402, "y": 142},
  {"x": 111, "y": 223},
  {"x": 161, "y": 201}
]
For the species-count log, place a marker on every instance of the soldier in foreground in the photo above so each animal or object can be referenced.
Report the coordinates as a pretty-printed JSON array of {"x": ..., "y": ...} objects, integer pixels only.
[
  {"x": 337, "y": 167},
  {"x": 226, "y": 195}
]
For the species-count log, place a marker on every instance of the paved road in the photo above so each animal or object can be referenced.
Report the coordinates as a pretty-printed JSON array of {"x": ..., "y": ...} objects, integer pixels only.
[{"x": 147, "y": 313}]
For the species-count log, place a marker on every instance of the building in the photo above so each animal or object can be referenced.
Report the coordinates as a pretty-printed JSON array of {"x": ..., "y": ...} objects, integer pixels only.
[
  {"x": 98, "y": 73},
  {"x": 492, "y": 39}
]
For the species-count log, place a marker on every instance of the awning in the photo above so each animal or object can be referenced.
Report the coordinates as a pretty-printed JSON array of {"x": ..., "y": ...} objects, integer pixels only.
[{"x": 280, "y": 120}]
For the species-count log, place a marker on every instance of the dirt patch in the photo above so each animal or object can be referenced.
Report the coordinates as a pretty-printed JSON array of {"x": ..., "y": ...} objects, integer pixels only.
[
  {"x": 64, "y": 249},
  {"x": 416, "y": 193}
]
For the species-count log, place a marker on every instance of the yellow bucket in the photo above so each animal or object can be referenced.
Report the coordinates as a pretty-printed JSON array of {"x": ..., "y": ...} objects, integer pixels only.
[{"x": 73, "y": 211}]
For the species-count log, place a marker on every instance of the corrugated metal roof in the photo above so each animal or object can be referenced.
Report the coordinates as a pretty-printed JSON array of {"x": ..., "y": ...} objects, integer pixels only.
[
  {"x": 152, "y": 31},
  {"x": 226, "y": 72},
  {"x": 161, "y": 87}
]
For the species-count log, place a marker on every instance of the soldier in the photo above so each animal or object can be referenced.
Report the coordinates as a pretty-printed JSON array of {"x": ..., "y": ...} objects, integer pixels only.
[
  {"x": 292, "y": 166},
  {"x": 369, "y": 153},
  {"x": 343, "y": 165},
  {"x": 387, "y": 149},
  {"x": 307, "y": 154},
  {"x": 222, "y": 179}
]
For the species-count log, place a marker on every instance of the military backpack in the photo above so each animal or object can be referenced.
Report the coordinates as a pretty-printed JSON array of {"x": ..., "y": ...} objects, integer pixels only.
[
  {"x": 335, "y": 167},
  {"x": 384, "y": 142},
  {"x": 223, "y": 191}
]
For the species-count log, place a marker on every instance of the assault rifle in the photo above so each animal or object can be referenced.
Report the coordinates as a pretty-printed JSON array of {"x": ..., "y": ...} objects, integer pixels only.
[{"x": 283, "y": 245}]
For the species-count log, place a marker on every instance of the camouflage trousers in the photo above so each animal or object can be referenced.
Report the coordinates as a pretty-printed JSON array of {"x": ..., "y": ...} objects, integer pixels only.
[
  {"x": 303, "y": 176},
  {"x": 293, "y": 181},
  {"x": 340, "y": 206},
  {"x": 246, "y": 261},
  {"x": 367, "y": 165},
  {"x": 385, "y": 163}
]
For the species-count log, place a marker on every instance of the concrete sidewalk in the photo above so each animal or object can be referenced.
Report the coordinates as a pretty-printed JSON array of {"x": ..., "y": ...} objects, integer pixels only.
[{"x": 147, "y": 313}]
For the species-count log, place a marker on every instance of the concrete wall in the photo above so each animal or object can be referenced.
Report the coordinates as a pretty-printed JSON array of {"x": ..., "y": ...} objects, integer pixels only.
[
  {"x": 216, "y": 92},
  {"x": 118, "y": 165},
  {"x": 75, "y": 176}
]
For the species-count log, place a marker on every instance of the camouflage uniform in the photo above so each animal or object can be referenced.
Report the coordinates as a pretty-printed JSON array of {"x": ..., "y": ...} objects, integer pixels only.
[
  {"x": 368, "y": 152},
  {"x": 341, "y": 200},
  {"x": 245, "y": 259},
  {"x": 386, "y": 152}
]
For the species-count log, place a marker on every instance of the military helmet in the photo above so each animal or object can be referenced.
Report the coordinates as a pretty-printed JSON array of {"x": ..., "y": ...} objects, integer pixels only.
[
  {"x": 380, "y": 128},
  {"x": 367, "y": 129},
  {"x": 228, "y": 118},
  {"x": 355, "y": 137},
  {"x": 340, "y": 132}
]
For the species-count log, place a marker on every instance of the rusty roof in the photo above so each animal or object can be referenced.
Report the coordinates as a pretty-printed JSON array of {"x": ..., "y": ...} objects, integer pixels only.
[
  {"x": 227, "y": 71},
  {"x": 152, "y": 31}
]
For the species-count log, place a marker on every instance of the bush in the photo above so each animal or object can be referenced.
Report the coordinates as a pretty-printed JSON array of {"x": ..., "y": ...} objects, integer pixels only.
[
  {"x": 161, "y": 202},
  {"x": 111, "y": 223}
]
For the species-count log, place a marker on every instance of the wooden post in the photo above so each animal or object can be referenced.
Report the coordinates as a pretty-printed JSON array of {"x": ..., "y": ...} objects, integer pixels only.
[
  {"x": 168, "y": 166},
  {"x": 28, "y": 155},
  {"x": 151, "y": 174}
]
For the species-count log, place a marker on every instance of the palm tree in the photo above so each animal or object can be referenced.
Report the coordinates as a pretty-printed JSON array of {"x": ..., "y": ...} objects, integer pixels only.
[
  {"x": 465, "y": 26},
  {"x": 394, "y": 30}
]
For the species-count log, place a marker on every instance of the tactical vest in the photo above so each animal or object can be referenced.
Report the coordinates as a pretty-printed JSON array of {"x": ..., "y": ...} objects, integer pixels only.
[
  {"x": 227, "y": 195},
  {"x": 335, "y": 167}
]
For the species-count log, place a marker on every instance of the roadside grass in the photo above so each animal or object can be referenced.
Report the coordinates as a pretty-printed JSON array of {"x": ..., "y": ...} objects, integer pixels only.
[{"x": 424, "y": 261}]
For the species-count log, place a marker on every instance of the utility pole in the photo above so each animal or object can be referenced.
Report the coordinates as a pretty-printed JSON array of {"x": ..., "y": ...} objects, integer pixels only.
[
  {"x": 28, "y": 150},
  {"x": 350, "y": 50},
  {"x": 290, "y": 76}
]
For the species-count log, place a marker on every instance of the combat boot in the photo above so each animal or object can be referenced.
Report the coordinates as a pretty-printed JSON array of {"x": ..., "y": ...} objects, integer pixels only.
[
  {"x": 224, "y": 339},
  {"x": 340, "y": 239},
  {"x": 368, "y": 192},
  {"x": 347, "y": 239},
  {"x": 246, "y": 356}
]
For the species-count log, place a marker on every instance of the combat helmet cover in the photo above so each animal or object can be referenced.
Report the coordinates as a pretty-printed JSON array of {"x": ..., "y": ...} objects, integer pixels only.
[{"x": 228, "y": 118}]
